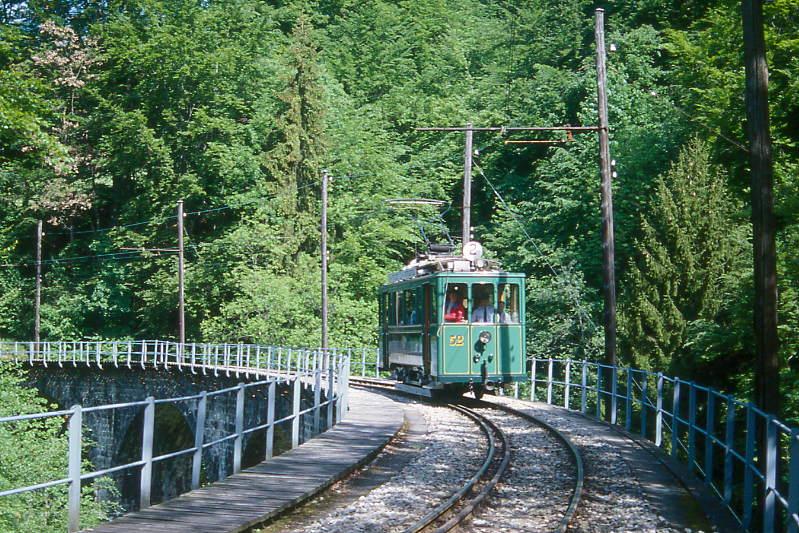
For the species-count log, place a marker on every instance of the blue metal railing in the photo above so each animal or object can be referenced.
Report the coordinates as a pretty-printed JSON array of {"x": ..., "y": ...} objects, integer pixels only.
[
  {"x": 715, "y": 434},
  {"x": 317, "y": 369}
]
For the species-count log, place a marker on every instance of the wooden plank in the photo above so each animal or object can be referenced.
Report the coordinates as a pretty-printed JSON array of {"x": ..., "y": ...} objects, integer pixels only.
[{"x": 265, "y": 490}]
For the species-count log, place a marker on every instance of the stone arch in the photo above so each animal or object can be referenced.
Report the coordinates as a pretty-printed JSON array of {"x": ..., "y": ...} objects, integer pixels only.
[
  {"x": 254, "y": 449},
  {"x": 170, "y": 477}
]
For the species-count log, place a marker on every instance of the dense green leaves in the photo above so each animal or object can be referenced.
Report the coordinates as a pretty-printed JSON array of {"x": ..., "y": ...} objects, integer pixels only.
[
  {"x": 110, "y": 112},
  {"x": 689, "y": 271},
  {"x": 34, "y": 452}
]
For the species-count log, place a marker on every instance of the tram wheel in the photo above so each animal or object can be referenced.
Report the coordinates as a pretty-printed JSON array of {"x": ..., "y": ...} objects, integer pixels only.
[{"x": 478, "y": 391}]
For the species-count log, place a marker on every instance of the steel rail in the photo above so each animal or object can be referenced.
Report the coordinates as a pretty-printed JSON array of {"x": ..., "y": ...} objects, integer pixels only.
[
  {"x": 472, "y": 504},
  {"x": 577, "y": 459},
  {"x": 492, "y": 433},
  {"x": 574, "y": 452}
]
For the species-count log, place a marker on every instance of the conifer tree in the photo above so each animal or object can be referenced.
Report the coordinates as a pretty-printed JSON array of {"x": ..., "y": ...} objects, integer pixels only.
[
  {"x": 294, "y": 164},
  {"x": 688, "y": 260}
]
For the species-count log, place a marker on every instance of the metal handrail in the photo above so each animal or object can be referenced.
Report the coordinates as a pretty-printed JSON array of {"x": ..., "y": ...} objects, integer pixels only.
[
  {"x": 705, "y": 432},
  {"x": 319, "y": 369}
]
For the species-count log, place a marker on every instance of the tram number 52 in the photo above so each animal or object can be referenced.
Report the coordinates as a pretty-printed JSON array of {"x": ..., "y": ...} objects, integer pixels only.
[{"x": 456, "y": 340}]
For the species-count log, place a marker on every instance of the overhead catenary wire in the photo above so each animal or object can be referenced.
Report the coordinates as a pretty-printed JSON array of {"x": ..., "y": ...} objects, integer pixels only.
[
  {"x": 530, "y": 239},
  {"x": 167, "y": 218}
]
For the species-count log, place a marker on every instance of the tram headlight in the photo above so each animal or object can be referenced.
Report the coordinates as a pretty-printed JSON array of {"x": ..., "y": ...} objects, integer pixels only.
[{"x": 485, "y": 337}]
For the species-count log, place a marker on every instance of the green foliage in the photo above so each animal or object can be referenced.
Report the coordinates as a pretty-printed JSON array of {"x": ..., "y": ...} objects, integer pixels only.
[
  {"x": 688, "y": 272},
  {"x": 111, "y": 112},
  {"x": 34, "y": 452}
]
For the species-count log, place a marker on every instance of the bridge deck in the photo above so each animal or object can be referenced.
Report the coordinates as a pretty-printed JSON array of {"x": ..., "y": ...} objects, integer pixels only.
[{"x": 265, "y": 490}]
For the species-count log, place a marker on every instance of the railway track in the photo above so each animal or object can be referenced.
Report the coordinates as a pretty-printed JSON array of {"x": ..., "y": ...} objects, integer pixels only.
[{"x": 463, "y": 503}]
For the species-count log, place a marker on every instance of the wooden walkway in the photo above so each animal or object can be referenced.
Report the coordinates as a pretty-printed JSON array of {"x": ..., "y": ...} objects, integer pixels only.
[{"x": 265, "y": 490}]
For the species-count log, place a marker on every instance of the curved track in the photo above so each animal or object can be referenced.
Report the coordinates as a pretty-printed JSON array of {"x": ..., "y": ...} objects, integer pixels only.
[{"x": 461, "y": 504}]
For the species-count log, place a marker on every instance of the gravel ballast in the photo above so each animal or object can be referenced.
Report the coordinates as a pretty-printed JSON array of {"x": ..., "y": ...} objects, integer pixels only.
[
  {"x": 534, "y": 493},
  {"x": 614, "y": 498},
  {"x": 453, "y": 450}
]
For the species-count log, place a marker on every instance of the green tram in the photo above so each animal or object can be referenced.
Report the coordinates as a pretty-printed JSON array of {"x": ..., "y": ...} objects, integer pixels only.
[{"x": 453, "y": 323}]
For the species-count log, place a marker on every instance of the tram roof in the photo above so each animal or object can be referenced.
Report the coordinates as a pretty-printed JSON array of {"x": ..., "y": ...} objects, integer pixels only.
[{"x": 449, "y": 266}]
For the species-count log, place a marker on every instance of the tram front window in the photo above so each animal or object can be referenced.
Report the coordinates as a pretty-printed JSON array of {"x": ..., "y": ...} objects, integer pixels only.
[
  {"x": 508, "y": 306},
  {"x": 483, "y": 294},
  {"x": 456, "y": 303}
]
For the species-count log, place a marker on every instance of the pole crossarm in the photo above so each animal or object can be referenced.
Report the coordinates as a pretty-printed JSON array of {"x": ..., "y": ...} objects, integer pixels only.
[
  {"x": 576, "y": 129},
  {"x": 142, "y": 249}
]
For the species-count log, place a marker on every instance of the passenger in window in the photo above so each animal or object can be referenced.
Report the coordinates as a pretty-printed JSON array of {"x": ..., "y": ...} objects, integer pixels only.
[
  {"x": 484, "y": 312},
  {"x": 453, "y": 309},
  {"x": 504, "y": 316}
]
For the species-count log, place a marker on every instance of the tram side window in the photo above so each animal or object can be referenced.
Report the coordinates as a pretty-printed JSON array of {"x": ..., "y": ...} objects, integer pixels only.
[
  {"x": 409, "y": 309},
  {"x": 456, "y": 303},
  {"x": 392, "y": 308},
  {"x": 508, "y": 306},
  {"x": 483, "y": 307},
  {"x": 433, "y": 306}
]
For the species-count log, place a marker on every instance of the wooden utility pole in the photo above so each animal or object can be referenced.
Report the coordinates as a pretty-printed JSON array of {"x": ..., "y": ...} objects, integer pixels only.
[
  {"x": 181, "y": 302},
  {"x": 608, "y": 241},
  {"x": 468, "y": 153},
  {"x": 467, "y": 187},
  {"x": 325, "y": 178},
  {"x": 37, "y": 321},
  {"x": 767, "y": 394}
]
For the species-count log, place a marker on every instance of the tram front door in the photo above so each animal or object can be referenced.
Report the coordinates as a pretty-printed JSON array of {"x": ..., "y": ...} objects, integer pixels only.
[{"x": 428, "y": 300}]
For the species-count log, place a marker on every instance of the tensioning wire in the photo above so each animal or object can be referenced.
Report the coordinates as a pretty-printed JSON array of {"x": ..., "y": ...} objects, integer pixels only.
[
  {"x": 166, "y": 218},
  {"x": 532, "y": 241}
]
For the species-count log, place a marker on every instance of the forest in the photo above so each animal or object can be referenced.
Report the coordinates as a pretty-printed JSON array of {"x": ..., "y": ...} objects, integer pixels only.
[{"x": 111, "y": 111}]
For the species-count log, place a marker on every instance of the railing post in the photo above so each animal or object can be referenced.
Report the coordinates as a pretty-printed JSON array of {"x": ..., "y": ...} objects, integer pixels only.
[
  {"x": 644, "y": 400},
  {"x": 749, "y": 488},
  {"x": 549, "y": 382},
  {"x": 710, "y": 429},
  {"x": 599, "y": 391},
  {"x": 239, "y": 429},
  {"x": 532, "y": 380},
  {"x": 568, "y": 383},
  {"x": 584, "y": 387},
  {"x": 347, "y": 371},
  {"x": 691, "y": 426},
  {"x": 377, "y": 362},
  {"x": 729, "y": 443},
  {"x": 317, "y": 399},
  {"x": 770, "y": 487},
  {"x": 330, "y": 391},
  {"x": 74, "y": 467},
  {"x": 675, "y": 417},
  {"x": 295, "y": 421},
  {"x": 628, "y": 407},
  {"x": 199, "y": 436},
  {"x": 659, "y": 412},
  {"x": 270, "y": 420},
  {"x": 613, "y": 394},
  {"x": 147, "y": 453},
  {"x": 793, "y": 483},
  {"x": 363, "y": 361},
  {"x": 340, "y": 391}
]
